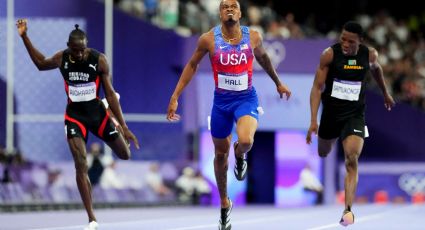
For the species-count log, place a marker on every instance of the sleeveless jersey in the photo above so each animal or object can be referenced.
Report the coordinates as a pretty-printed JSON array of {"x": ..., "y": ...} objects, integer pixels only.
[
  {"x": 345, "y": 83},
  {"x": 232, "y": 64},
  {"x": 82, "y": 79}
]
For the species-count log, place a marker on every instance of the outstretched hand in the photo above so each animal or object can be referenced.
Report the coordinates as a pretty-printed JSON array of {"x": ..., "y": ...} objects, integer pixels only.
[
  {"x": 313, "y": 129},
  {"x": 129, "y": 136},
  {"x": 171, "y": 111},
  {"x": 283, "y": 89},
  {"x": 21, "y": 24},
  {"x": 388, "y": 102}
]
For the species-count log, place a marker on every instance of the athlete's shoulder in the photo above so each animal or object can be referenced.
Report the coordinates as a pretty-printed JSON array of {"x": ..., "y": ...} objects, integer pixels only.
[
  {"x": 327, "y": 56},
  {"x": 206, "y": 38},
  {"x": 95, "y": 52}
]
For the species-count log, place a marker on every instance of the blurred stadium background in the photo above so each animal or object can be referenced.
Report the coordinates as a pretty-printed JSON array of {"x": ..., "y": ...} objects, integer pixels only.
[{"x": 151, "y": 42}]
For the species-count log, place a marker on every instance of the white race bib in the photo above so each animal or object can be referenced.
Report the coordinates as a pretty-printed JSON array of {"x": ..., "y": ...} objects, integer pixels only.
[
  {"x": 346, "y": 90},
  {"x": 82, "y": 92},
  {"x": 234, "y": 83}
]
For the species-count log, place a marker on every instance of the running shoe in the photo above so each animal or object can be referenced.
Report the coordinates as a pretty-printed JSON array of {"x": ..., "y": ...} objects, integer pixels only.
[
  {"x": 347, "y": 218},
  {"x": 241, "y": 165},
  {"x": 93, "y": 225},
  {"x": 224, "y": 222}
]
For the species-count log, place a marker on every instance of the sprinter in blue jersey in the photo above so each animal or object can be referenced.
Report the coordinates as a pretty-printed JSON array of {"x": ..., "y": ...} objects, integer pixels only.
[{"x": 231, "y": 48}]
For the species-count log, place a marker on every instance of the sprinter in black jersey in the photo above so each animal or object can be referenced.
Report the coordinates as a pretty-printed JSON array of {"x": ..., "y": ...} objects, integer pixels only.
[
  {"x": 84, "y": 71},
  {"x": 341, "y": 75}
]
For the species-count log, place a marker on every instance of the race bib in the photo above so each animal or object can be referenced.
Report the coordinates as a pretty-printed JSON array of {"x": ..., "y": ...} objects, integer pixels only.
[
  {"x": 346, "y": 90},
  {"x": 82, "y": 92},
  {"x": 234, "y": 83}
]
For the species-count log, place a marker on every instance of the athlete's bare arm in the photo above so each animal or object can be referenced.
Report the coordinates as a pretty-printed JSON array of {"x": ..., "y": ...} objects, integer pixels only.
[
  {"x": 264, "y": 60},
  {"x": 316, "y": 90},
  {"x": 378, "y": 75},
  {"x": 112, "y": 99},
  {"x": 38, "y": 58},
  {"x": 205, "y": 42}
]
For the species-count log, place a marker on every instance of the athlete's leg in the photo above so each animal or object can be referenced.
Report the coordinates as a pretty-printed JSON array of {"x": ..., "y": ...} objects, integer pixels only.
[
  {"x": 325, "y": 146},
  {"x": 245, "y": 129},
  {"x": 353, "y": 146},
  {"x": 221, "y": 164},
  {"x": 78, "y": 149},
  {"x": 120, "y": 147},
  {"x": 113, "y": 137}
]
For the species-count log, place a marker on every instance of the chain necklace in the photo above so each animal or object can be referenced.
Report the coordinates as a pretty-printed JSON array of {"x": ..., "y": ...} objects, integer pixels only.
[{"x": 230, "y": 40}]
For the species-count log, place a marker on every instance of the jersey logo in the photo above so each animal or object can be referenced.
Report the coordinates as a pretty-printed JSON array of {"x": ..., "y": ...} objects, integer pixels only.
[
  {"x": 244, "y": 46},
  {"x": 222, "y": 47},
  {"x": 66, "y": 65},
  {"x": 233, "y": 59},
  {"x": 113, "y": 132},
  {"x": 93, "y": 66}
]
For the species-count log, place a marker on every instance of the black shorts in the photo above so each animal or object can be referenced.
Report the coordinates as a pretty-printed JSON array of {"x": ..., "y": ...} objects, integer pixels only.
[
  {"x": 331, "y": 128},
  {"x": 92, "y": 116}
]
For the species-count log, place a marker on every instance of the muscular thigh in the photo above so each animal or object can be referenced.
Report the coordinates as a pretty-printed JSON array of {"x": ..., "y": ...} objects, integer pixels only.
[
  {"x": 354, "y": 126},
  {"x": 221, "y": 123}
]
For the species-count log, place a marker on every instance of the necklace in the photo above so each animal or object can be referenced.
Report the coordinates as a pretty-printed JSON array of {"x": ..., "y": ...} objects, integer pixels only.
[
  {"x": 230, "y": 40},
  {"x": 70, "y": 59}
]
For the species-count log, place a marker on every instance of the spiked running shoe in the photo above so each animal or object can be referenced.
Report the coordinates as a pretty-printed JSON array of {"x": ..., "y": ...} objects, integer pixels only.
[
  {"x": 347, "y": 218},
  {"x": 224, "y": 222},
  {"x": 240, "y": 166},
  {"x": 92, "y": 226}
]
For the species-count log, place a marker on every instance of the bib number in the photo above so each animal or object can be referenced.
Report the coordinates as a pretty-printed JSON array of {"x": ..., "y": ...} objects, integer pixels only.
[
  {"x": 346, "y": 90},
  {"x": 82, "y": 92},
  {"x": 234, "y": 83}
]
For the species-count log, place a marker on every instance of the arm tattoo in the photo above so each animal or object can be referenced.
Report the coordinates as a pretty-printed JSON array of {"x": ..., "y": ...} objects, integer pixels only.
[{"x": 265, "y": 62}]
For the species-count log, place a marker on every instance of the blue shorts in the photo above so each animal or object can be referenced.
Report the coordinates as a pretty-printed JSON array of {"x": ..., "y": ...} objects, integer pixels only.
[{"x": 228, "y": 109}]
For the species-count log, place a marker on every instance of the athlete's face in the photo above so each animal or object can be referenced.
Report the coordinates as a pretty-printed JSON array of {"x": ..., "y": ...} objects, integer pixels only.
[
  {"x": 349, "y": 43},
  {"x": 230, "y": 11},
  {"x": 77, "y": 47}
]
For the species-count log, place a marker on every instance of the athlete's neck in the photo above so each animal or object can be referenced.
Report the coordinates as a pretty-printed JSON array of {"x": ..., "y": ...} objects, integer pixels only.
[{"x": 231, "y": 32}]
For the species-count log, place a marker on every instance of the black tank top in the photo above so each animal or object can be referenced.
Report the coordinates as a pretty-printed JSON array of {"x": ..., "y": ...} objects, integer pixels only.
[
  {"x": 82, "y": 79},
  {"x": 345, "y": 83}
]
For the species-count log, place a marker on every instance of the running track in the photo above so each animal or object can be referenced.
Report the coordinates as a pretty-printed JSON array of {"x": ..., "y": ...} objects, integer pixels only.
[{"x": 369, "y": 216}]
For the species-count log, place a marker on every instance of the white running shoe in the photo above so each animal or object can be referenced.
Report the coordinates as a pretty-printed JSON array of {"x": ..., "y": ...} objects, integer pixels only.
[
  {"x": 347, "y": 218},
  {"x": 92, "y": 226}
]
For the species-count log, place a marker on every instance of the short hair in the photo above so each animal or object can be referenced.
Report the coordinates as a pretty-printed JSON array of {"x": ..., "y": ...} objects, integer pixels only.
[
  {"x": 77, "y": 33},
  {"x": 354, "y": 27},
  {"x": 221, "y": 3}
]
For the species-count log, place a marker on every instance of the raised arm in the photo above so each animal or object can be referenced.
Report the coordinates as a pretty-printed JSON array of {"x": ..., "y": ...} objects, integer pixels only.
[
  {"x": 112, "y": 99},
  {"x": 188, "y": 72},
  {"x": 264, "y": 60},
  {"x": 316, "y": 90},
  {"x": 38, "y": 58},
  {"x": 378, "y": 75}
]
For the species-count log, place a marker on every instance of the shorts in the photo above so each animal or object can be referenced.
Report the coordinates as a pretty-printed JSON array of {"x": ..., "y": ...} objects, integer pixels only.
[
  {"x": 331, "y": 128},
  {"x": 223, "y": 116},
  {"x": 92, "y": 116}
]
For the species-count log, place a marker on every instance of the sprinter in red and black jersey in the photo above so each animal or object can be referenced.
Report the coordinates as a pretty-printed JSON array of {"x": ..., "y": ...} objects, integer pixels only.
[{"x": 84, "y": 71}]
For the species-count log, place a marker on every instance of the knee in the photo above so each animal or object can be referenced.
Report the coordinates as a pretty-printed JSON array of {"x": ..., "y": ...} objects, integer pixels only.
[
  {"x": 323, "y": 152},
  {"x": 81, "y": 164},
  {"x": 245, "y": 143},
  {"x": 221, "y": 156},
  {"x": 124, "y": 155},
  {"x": 351, "y": 161}
]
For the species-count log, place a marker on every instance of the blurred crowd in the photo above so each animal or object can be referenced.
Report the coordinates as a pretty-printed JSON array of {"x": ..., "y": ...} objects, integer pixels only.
[
  {"x": 399, "y": 41},
  {"x": 26, "y": 182}
]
